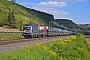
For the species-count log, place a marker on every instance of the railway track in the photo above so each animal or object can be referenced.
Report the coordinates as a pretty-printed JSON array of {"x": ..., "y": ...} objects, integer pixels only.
[
  {"x": 7, "y": 46},
  {"x": 5, "y": 42},
  {"x": 10, "y": 45}
]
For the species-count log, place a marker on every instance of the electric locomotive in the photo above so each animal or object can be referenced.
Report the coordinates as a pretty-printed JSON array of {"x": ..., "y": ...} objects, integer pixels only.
[{"x": 33, "y": 30}]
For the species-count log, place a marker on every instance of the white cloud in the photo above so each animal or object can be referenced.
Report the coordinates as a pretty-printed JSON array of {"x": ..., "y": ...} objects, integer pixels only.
[
  {"x": 51, "y": 8},
  {"x": 53, "y": 4},
  {"x": 67, "y": 18},
  {"x": 53, "y": 11},
  {"x": 68, "y": 0}
]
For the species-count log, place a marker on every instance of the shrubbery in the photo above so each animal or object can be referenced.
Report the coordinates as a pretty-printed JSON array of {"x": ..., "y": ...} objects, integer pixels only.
[
  {"x": 10, "y": 36},
  {"x": 72, "y": 48}
]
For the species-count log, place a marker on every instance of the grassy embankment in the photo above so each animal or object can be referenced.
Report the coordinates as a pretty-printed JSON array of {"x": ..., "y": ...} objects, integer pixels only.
[
  {"x": 72, "y": 48},
  {"x": 10, "y": 36}
]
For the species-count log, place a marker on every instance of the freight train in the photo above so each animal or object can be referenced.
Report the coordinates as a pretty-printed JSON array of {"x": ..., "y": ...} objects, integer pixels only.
[{"x": 33, "y": 30}]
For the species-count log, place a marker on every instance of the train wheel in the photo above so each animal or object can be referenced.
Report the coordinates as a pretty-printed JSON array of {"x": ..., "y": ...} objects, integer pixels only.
[
  {"x": 39, "y": 36},
  {"x": 31, "y": 36},
  {"x": 35, "y": 36},
  {"x": 25, "y": 37},
  {"x": 43, "y": 35}
]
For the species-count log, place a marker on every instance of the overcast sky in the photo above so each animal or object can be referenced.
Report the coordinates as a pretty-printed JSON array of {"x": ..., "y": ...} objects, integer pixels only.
[{"x": 76, "y": 10}]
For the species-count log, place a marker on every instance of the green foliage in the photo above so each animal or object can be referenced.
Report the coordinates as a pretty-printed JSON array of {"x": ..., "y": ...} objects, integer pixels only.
[
  {"x": 31, "y": 53},
  {"x": 10, "y": 36},
  {"x": 72, "y": 48},
  {"x": 67, "y": 23},
  {"x": 1, "y": 21},
  {"x": 11, "y": 20},
  {"x": 86, "y": 26},
  {"x": 22, "y": 15}
]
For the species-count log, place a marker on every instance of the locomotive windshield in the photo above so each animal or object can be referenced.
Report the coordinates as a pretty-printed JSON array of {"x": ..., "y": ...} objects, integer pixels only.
[{"x": 27, "y": 27}]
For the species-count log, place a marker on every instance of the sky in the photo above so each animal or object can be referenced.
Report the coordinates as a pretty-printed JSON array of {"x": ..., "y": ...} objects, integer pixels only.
[{"x": 76, "y": 10}]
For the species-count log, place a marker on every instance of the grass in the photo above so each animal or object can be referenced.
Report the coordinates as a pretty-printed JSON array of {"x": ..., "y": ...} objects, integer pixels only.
[
  {"x": 22, "y": 14},
  {"x": 72, "y": 48},
  {"x": 10, "y": 36}
]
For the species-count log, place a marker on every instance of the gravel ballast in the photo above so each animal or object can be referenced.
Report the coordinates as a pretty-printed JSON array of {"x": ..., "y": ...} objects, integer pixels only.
[{"x": 15, "y": 46}]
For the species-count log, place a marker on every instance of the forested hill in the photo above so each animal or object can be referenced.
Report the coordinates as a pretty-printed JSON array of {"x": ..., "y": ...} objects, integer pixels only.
[
  {"x": 22, "y": 15},
  {"x": 66, "y": 24},
  {"x": 85, "y": 26}
]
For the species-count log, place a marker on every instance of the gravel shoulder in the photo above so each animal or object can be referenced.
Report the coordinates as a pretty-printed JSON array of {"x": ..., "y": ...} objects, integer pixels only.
[
  {"x": 88, "y": 41},
  {"x": 15, "y": 46}
]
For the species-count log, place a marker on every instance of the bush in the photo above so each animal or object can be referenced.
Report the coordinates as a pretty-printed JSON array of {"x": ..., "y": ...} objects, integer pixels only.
[
  {"x": 72, "y": 48},
  {"x": 10, "y": 36}
]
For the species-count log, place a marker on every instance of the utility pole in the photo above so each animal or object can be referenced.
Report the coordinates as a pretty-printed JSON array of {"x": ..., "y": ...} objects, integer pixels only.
[{"x": 50, "y": 24}]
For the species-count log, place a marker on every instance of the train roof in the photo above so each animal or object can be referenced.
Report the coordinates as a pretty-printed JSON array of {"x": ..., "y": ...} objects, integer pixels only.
[{"x": 30, "y": 25}]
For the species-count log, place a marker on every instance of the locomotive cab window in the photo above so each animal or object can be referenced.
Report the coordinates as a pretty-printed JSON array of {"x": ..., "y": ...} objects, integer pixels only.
[{"x": 27, "y": 27}]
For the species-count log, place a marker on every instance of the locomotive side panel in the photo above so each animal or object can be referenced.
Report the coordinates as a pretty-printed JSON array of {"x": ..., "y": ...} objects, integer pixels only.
[
  {"x": 29, "y": 30},
  {"x": 33, "y": 30}
]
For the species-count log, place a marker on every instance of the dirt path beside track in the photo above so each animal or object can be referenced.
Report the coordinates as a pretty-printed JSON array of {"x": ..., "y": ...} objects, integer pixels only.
[{"x": 88, "y": 41}]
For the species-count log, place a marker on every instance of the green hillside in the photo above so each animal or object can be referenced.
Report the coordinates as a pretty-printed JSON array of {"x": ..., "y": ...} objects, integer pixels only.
[
  {"x": 70, "y": 25},
  {"x": 22, "y": 14},
  {"x": 86, "y": 26},
  {"x": 66, "y": 24}
]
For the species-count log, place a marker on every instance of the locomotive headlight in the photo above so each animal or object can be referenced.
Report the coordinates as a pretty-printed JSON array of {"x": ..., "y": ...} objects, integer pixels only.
[{"x": 29, "y": 30}]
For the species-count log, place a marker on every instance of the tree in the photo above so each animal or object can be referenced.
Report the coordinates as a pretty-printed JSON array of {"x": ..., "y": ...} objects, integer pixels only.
[
  {"x": 11, "y": 20},
  {"x": 1, "y": 21}
]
